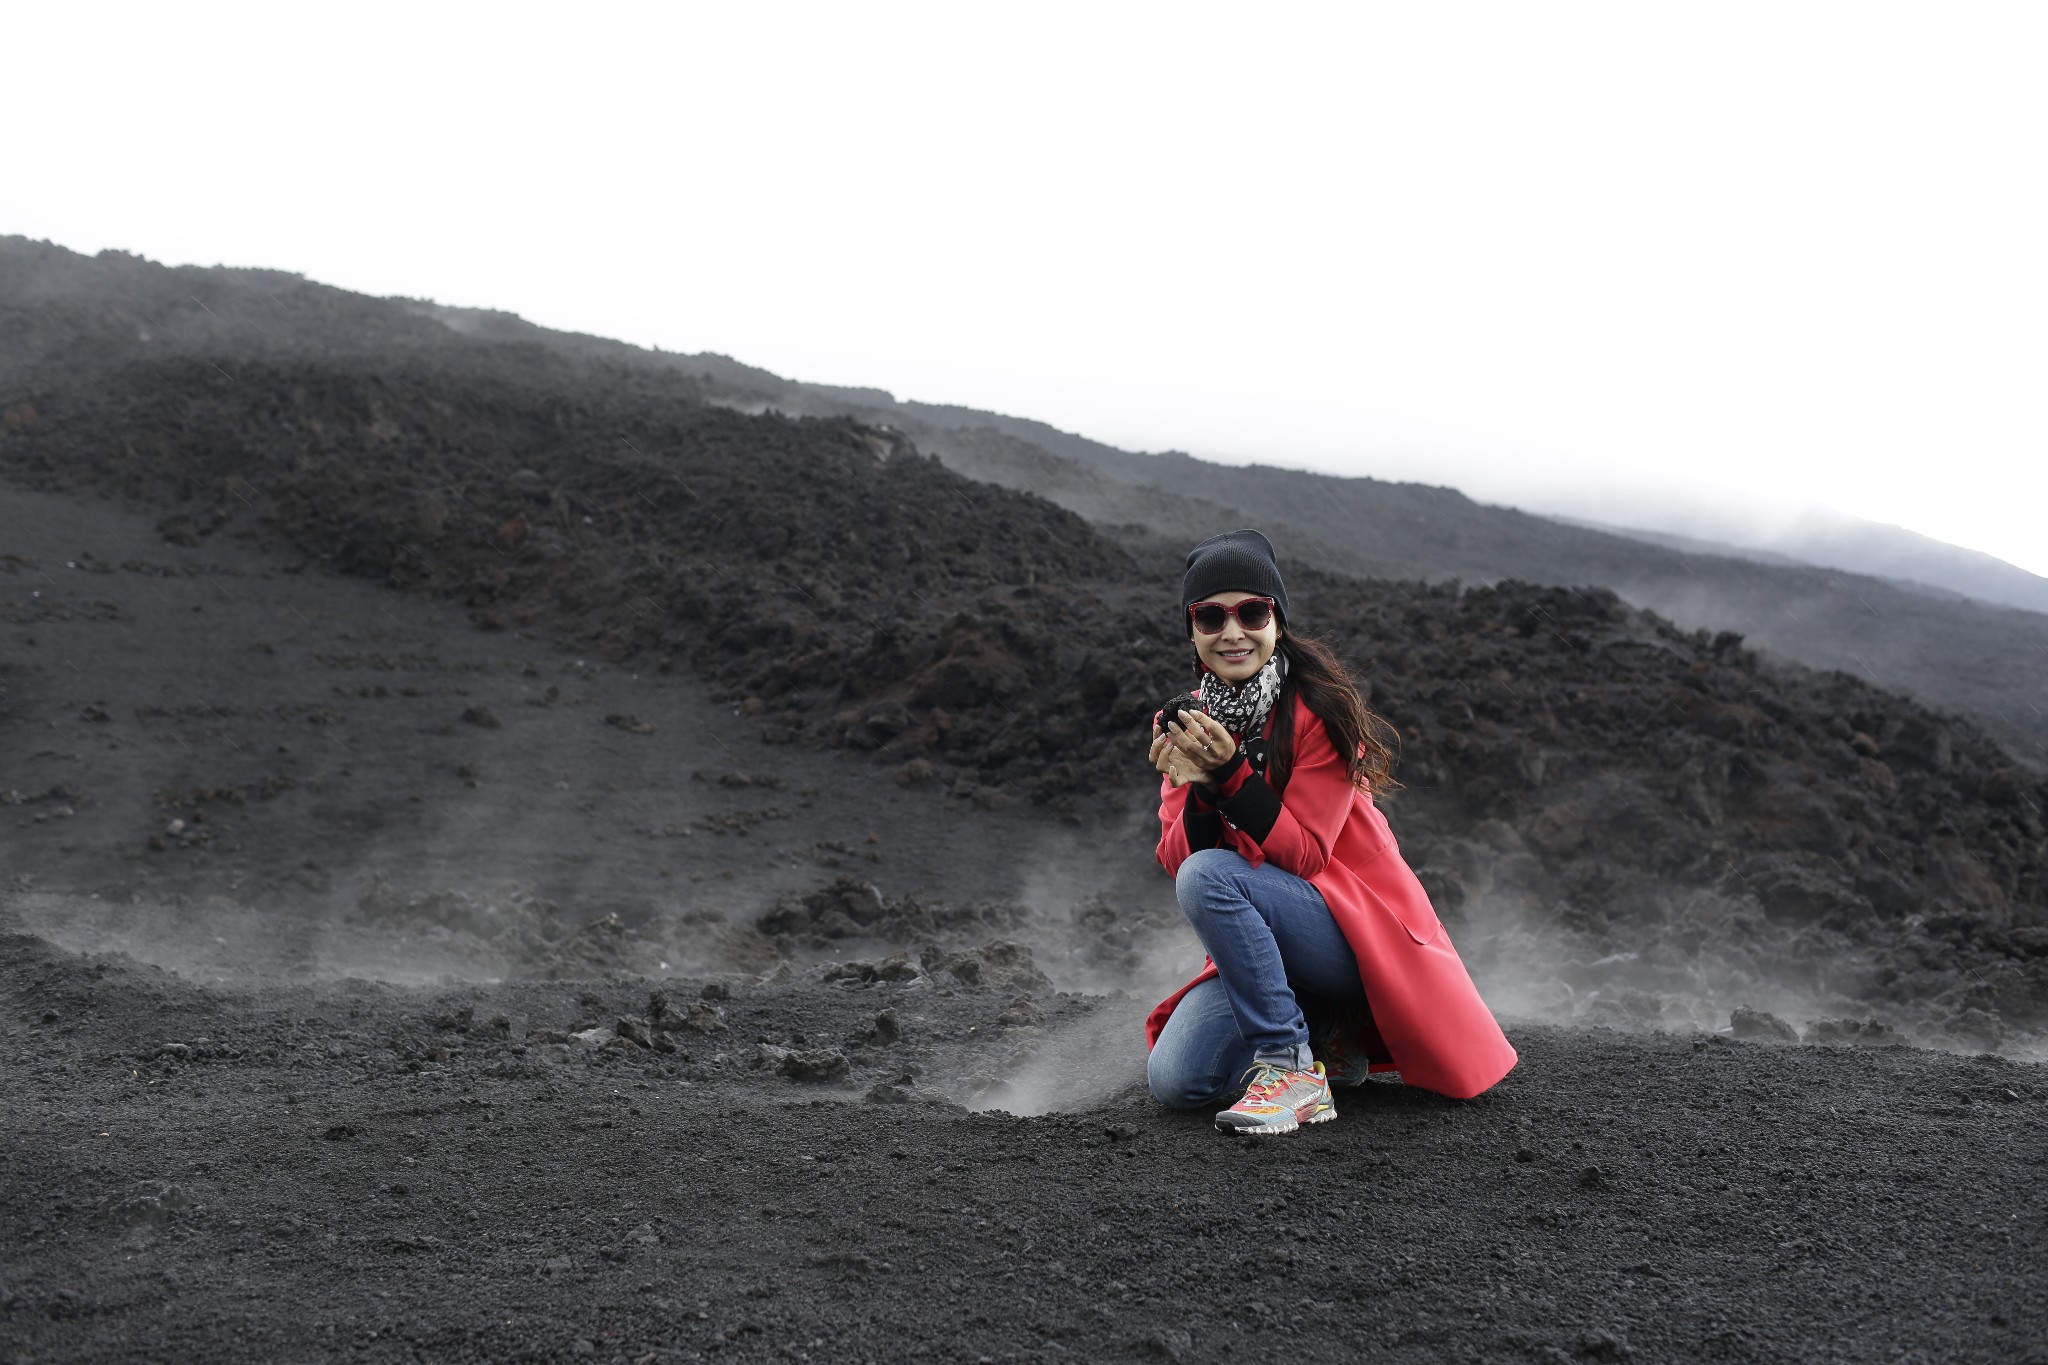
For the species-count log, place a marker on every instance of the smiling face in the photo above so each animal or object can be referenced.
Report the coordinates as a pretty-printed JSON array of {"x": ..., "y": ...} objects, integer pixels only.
[{"x": 1235, "y": 654}]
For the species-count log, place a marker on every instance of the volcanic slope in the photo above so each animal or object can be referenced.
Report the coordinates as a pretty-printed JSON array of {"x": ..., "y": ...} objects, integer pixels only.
[
  {"x": 66, "y": 318},
  {"x": 1636, "y": 808}
]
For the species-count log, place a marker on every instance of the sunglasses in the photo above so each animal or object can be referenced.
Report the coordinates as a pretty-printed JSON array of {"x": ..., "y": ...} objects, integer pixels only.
[{"x": 1254, "y": 613}]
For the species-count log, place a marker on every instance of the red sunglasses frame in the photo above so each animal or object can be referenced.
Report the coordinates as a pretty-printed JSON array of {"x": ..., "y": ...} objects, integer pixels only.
[{"x": 1230, "y": 611}]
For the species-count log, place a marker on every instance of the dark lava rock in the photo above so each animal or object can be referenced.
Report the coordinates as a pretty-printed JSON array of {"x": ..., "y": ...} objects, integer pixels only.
[
  {"x": 821, "y": 1066},
  {"x": 1169, "y": 1343},
  {"x": 1867, "y": 1033},
  {"x": 897, "y": 967},
  {"x": 1602, "y": 1345},
  {"x": 483, "y": 716},
  {"x": 886, "y": 1030},
  {"x": 1022, "y": 1011},
  {"x": 844, "y": 907},
  {"x": 996, "y": 965},
  {"x": 704, "y": 1017},
  {"x": 634, "y": 1030},
  {"x": 1749, "y": 1023},
  {"x": 848, "y": 907}
]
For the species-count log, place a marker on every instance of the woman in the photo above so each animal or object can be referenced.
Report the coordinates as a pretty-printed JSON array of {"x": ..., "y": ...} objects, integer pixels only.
[{"x": 1326, "y": 961}]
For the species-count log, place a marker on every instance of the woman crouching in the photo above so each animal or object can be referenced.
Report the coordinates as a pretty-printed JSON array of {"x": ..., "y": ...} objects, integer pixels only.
[{"x": 1326, "y": 960}]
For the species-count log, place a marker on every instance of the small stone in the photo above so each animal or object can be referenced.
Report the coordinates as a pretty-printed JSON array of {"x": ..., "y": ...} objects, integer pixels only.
[
  {"x": 1022, "y": 1011},
  {"x": 1171, "y": 1343},
  {"x": 1602, "y": 1345},
  {"x": 898, "y": 967},
  {"x": 704, "y": 1018},
  {"x": 1524, "y": 1154},
  {"x": 1749, "y": 1023},
  {"x": 483, "y": 716},
  {"x": 1121, "y": 1132},
  {"x": 633, "y": 1030}
]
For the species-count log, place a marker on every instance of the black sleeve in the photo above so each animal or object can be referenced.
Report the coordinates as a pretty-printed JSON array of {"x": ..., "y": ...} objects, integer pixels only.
[
  {"x": 1256, "y": 807},
  {"x": 1200, "y": 821}
]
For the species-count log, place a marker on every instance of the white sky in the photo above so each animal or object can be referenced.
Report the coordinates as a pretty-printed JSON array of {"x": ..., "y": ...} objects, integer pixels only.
[{"x": 1578, "y": 257}]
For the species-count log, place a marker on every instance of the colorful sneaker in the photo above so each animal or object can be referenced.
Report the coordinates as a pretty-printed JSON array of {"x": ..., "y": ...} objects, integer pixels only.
[
  {"x": 1345, "y": 1050},
  {"x": 1279, "y": 1101}
]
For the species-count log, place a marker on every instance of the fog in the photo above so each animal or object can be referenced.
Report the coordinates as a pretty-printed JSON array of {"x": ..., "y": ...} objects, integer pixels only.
[{"x": 1780, "y": 255}]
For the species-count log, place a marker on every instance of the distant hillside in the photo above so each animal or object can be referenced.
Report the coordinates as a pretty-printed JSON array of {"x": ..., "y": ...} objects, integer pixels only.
[
  {"x": 1970, "y": 656},
  {"x": 1827, "y": 540}
]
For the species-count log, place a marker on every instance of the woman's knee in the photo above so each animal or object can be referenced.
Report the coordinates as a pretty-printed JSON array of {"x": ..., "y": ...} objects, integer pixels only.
[
  {"x": 1176, "y": 1087},
  {"x": 1204, "y": 870}
]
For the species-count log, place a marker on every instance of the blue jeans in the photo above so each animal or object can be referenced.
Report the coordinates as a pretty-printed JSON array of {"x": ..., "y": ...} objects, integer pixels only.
[{"x": 1276, "y": 950}]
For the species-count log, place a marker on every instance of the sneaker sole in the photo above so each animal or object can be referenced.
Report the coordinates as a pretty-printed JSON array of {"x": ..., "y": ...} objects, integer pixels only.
[{"x": 1323, "y": 1115}]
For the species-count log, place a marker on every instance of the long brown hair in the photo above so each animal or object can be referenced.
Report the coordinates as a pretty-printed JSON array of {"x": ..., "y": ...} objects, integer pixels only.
[{"x": 1318, "y": 680}]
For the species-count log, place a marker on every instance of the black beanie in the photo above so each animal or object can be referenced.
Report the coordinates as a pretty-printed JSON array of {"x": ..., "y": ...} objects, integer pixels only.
[{"x": 1236, "y": 561}]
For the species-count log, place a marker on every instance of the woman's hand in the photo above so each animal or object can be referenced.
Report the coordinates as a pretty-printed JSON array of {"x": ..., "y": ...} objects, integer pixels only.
[
  {"x": 1191, "y": 748},
  {"x": 1168, "y": 760}
]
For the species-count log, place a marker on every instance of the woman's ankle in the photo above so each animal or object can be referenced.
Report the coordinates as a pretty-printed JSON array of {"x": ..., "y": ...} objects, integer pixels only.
[{"x": 1300, "y": 1057}]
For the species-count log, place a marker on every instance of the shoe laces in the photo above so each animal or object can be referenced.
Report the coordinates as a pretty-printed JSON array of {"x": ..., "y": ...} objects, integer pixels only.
[{"x": 1267, "y": 1079}]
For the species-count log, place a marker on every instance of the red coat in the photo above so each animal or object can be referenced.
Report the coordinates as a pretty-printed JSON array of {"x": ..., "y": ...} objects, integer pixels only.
[{"x": 1438, "y": 1031}]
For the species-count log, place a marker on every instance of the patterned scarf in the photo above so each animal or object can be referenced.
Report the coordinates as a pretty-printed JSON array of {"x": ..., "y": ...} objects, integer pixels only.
[{"x": 1243, "y": 709}]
